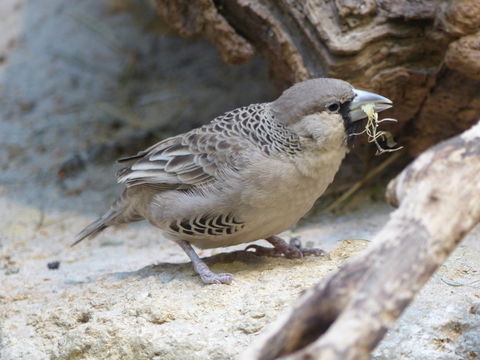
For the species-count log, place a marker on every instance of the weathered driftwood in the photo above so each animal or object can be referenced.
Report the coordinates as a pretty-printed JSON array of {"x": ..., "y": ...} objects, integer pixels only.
[
  {"x": 414, "y": 52},
  {"x": 348, "y": 313}
]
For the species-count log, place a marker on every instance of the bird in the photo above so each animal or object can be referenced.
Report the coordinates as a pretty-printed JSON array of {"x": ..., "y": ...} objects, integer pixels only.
[{"x": 249, "y": 174}]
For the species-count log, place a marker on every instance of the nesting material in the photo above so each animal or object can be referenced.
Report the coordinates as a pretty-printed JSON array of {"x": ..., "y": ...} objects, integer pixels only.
[{"x": 374, "y": 134}]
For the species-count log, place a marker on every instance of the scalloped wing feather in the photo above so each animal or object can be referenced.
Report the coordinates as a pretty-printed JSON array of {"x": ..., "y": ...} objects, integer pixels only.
[{"x": 193, "y": 159}]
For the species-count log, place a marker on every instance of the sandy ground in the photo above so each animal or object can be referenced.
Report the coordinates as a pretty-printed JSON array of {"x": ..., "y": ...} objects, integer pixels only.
[{"x": 73, "y": 74}]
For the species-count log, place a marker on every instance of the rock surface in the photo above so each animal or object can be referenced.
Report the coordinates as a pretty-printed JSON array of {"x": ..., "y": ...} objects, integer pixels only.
[{"x": 131, "y": 294}]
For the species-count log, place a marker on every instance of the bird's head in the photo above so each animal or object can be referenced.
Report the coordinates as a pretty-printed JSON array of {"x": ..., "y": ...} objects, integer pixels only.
[{"x": 326, "y": 110}]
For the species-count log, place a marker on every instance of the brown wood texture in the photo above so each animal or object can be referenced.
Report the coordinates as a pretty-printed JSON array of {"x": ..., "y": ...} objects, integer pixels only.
[
  {"x": 424, "y": 54},
  {"x": 347, "y": 314}
]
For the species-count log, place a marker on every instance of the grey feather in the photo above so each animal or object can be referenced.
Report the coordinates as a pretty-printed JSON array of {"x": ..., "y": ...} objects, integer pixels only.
[
  {"x": 97, "y": 226},
  {"x": 119, "y": 212}
]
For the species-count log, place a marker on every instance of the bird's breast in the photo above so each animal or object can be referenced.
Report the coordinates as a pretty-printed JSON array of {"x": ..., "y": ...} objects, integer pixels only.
[{"x": 282, "y": 191}]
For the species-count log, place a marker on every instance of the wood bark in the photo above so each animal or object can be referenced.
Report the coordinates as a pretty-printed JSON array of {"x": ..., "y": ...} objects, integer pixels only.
[
  {"x": 414, "y": 52},
  {"x": 348, "y": 313}
]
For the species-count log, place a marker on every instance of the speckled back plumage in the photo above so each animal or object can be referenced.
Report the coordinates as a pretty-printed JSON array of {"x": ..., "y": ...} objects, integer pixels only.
[
  {"x": 199, "y": 156},
  {"x": 257, "y": 124}
]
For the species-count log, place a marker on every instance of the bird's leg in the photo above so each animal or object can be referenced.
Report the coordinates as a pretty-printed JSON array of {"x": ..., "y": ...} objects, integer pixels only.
[
  {"x": 293, "y": 250},
  {"x": 202, "y": 269}
]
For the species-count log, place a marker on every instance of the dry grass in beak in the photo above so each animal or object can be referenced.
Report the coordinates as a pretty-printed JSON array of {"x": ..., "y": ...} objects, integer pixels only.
[{"x": 371, "y": 129}]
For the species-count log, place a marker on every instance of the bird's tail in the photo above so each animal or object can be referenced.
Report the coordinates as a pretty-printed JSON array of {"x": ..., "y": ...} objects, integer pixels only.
[
  {"x": 120, "y": 212},
  {"x": 97, "y": 226}
]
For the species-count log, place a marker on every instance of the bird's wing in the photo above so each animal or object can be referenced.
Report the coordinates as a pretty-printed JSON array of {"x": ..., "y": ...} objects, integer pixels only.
[{"x": 193, "y": 159}]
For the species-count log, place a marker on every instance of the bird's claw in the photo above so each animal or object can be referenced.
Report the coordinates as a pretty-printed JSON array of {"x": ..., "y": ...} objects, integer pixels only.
[
  {"x": 295, "y": 242},
  {"x": 293, "y": 250},
  {"x": 213, "y": 278}
]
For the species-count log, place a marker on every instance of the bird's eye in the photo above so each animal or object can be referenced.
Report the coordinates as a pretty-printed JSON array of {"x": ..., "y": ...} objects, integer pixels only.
[{"x": 333, "y": 107}]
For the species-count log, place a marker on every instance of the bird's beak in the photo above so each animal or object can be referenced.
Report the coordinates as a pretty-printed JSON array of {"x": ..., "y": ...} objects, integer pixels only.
[{"x": 365, "y": 97}]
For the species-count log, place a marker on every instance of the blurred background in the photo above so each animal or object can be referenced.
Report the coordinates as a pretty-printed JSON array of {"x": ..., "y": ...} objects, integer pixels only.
[{"x": 84, "y": 83}]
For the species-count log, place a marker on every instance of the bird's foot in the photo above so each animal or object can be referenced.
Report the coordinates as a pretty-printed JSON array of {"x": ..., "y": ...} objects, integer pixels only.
[
  {"x": 293, "y": 250},
  {"x": 213, "y": 278},
  {"x": 202, "y": 269},
  {"x": 296, "y": 243},
  {"x": 209, "y": 277}
]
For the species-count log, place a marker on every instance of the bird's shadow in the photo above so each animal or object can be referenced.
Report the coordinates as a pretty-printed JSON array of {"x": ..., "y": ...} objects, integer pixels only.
[{"x": 222, "y": 262}]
